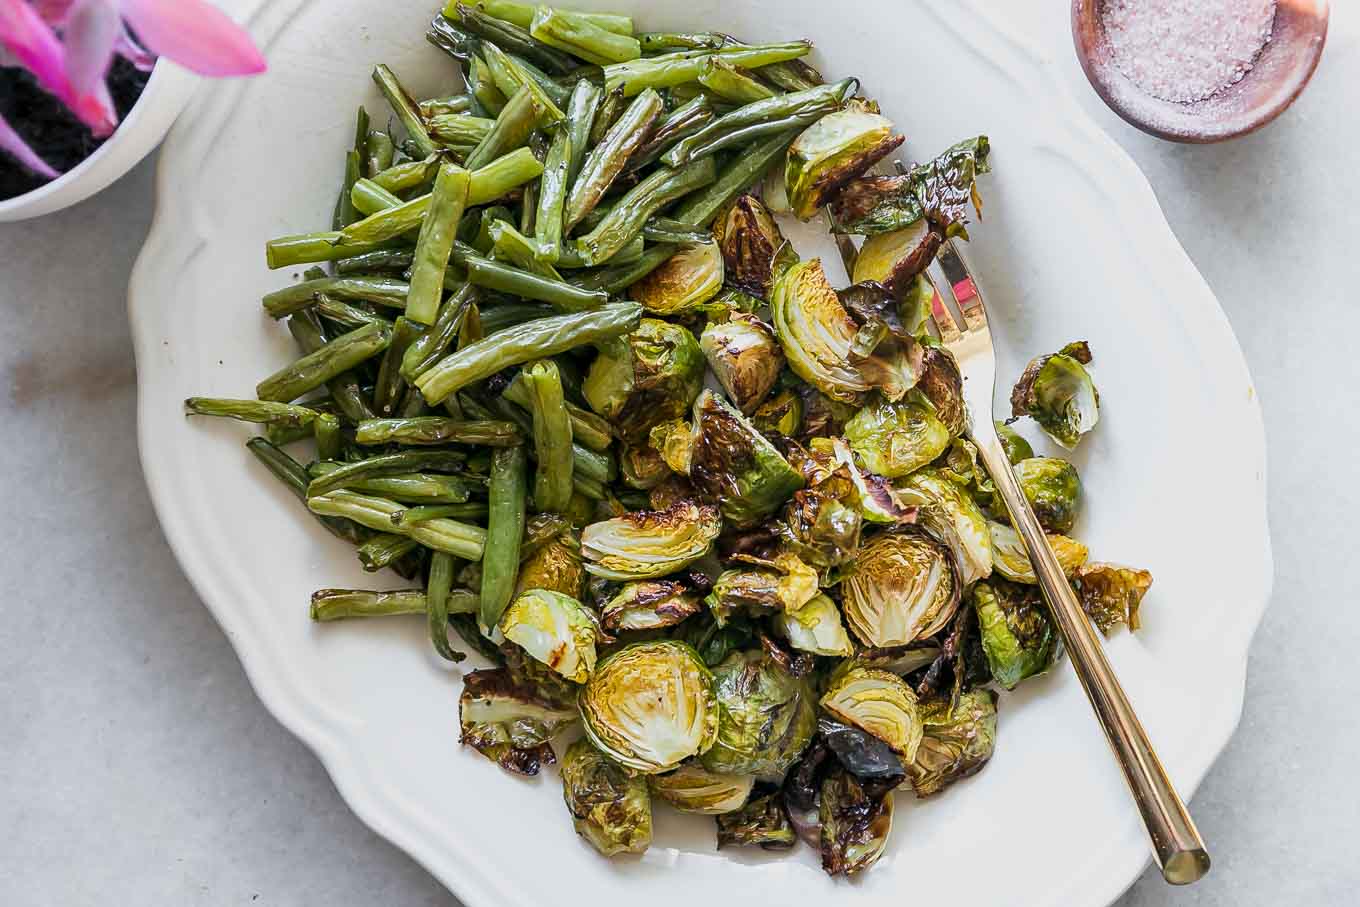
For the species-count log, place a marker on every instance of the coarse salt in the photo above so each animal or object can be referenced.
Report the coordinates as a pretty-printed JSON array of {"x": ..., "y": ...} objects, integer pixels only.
[{"x": 1186, "y": 50}]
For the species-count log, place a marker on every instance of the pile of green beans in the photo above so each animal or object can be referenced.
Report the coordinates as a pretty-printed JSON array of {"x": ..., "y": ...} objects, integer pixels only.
[{"x": 481, "y": 244}]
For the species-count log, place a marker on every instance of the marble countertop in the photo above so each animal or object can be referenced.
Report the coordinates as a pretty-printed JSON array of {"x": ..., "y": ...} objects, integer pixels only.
[{"x": 138, "y": 766}]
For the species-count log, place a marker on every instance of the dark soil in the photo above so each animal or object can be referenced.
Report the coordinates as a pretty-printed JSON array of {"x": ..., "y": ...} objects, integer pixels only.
[{"x": 52, "y": 130}]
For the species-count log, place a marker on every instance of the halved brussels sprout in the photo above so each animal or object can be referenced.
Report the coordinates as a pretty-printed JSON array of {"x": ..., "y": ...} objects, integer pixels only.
[
  {"x": 832, "y": 152},
  {"x": 735, "y": 466},
  {"x": 1010, "y": 559},
  {"x": 879, "y": 703},
  {"x": 650, "y": 706},
  {"x": 855, "y": 825},
  {"x": 650, "y": 543},
  {"x": 511, "y": 723},
  {"x": 762, "y": 822},
  {"x": 816, "y": 627},
  {"x": 938, "y": 192},
  {"x": 902, "y": 588},
  {"x": 901, "y": 660},
  {"x": 1111, "y": 594},
  {"x": 783, "y": 584},
  {"x": 781, "y": 414},
  {"x": 816, "y": 331},
  {"x": 822, "y": 529},
  {"x": 1017, "y": 635},
  {"x": 642, "y": 466},
  {"x": 765, "y": 717},
  {"x": 942, "y": 384},
  {"x": 950, "y": 515},
  {"x": 649, "y": 605},
  {"x": 896, "y": 439},
  {"x": 753, "y": 247},
  {"x": 1016, "y": 447},
  {"x": 957, "y": 743},
  {"x": 894, "y": 259},
  {"x": 1057, "y": 392},
  {"x": 1053, "y": 489},
  {"x": 555, "y": 565},
  {"x": 774, "y": 192},
  {"x": 691, "y": 788},
  {"x": 609, "y": 806},
  {"x": 555, "y": 629},
  {"x": 644, "y": 378},
  {"x": 687, "y": 280},
  {"x": 745, "y": 357}
]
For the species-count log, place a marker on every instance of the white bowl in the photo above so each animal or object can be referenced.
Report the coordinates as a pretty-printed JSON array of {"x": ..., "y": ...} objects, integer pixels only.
[{"x": 166, "y": 93}]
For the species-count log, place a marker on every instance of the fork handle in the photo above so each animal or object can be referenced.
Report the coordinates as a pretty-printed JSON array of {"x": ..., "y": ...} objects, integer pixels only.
[{"x": 1175, "y": 840}]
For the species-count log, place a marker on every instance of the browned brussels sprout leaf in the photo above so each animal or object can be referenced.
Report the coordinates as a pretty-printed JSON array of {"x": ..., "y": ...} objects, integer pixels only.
[
  {"x": 939, "y": 191},
  {"x": 1017, "y": 634},
  {"x": 766, "y": 587},
  {"x": 1111, "y": 594},
  {"x": 942, "y": 385},
  {"x": 734, "y": 466},
  {"x": 762, "y": 823},
  {"x": 714, "y": 641},
  {"x": 820, "y": 528},
  {"x": 691, "y": 788},
  {"x": 609, "y": 806},
  {"x": 510, "y": 723},
  {"x": 855, "y": 825},
  {"x": 1058, "y": 393},
  {"x": 832, "y": 152},
  {"x": 554, "y": 564},
  {"x": 781, "y": 414},
  {"x": 642, "y": 467},
  {"x": 753, "y": 248},
  {"x": 895, "y": 259},
  {"x": 649, "y": 605},
  {"x": 958, "y": 741},
  {"x": 863, "y": 755}
]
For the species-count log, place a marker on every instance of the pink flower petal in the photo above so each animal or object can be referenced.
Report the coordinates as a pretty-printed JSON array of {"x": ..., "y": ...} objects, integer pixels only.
[
  {"x": 128, "y": 48},
  {"x": 90, "y": 33},
  {"x": 54, "y": 12},
  {"x": 33, "y": 43},
  {"x": 14, "y": 143},
  {"x": 195, "y": 34}
]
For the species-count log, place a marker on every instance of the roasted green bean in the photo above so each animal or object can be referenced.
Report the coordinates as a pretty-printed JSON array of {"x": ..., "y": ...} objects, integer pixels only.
[
  {"x": 607, "y": 159},
  {"x": 376, "y": 513},
  {"x": 552, "y": 437},
  {"x": 408, "y": 461},
  {"x": 316, "y": 368},
  {"x": 428, "y": 431},
  {"x": 683, "y": 66},
  {"x": 284, "y": 415},
  {"x": 504, "y": 532},
  {"x": 760, "y": 118},
  {"x": 580, "y": 37},
  {"x": 626, "y": 219},
  {"x": 435, "y": 243},
  {"x": 404, "y": 106}
]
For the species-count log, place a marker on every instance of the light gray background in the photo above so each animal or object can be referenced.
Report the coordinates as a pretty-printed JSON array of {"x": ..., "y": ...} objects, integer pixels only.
[{"x": 137, "y": 766}]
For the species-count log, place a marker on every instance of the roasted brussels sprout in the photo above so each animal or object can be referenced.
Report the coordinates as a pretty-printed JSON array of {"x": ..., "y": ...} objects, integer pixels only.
[
  {"x": 650, "y": 543},
  {"x": 855, "y": 825},
  {"x": 877, "y": 702},
  {"x": 555, "y": 565},
  {"x": 687, "y": 280},
  {"x": 511, "y": 723},
  {"x": 714, "y": 641},
  {"x": 822, "y": 416},
  {"x": 832, "y": 152},
  {"x": 938, "y": 192},
  {"x": 1111, "y": 594},
  {"x": 1016, "y": 447},
  {"x": 1017, "y": 634},
  {"x": 821, "y": 529},
  {"x": 816, "y": 627},
  {"x": 650, "y": 706},
  {"x": 642, "y": 466},
  {"x": 762, "y": 822},
  {"x": 609, "y": 806},
  {"x": 1010, "y": 559},
  {"x": 901, "y": 660},
  {"x": 958, "y": 740},
  {"x": 650, "y": 604},
  {"x": 782, "y": 584},
  {"x": 1057, "y": 392},
  {"x": 691, "y": 788},
  {"x": 878, "y": 501},
  {"x": 896, "y": 439},
  {"x": 950, "y": 515},
  {"x": 942, "y": 385},
  {"x": 644, "y": 378},
  {"x": 902, "y": 588},
  {"x": 753, "y": 247},
  {"x": 816, "y": 331},
  {"x": 673, "y": 442},
  {"x": 781, "y": 414},
  {"x": 765, "y": 717},
  {"x": 745, "y": 357},
  {"x": 734, "y": 465},
  {"x": 894, "y": 259},
  {"x": 555, "y": 629},
  {"x": 863, "y": 755},
  {"x": 1053, "y": 489}
]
